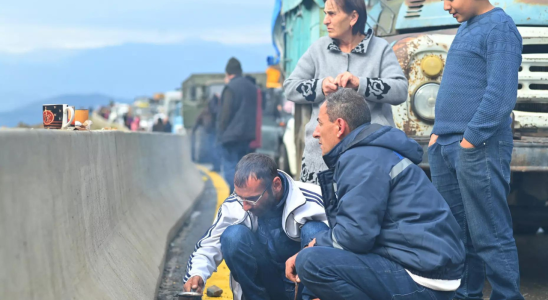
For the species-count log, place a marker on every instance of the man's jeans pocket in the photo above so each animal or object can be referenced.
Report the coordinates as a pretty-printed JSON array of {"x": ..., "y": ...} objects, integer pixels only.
[
  {"x": 472, "y": 156},
  {"x": 505, "y": 157}
]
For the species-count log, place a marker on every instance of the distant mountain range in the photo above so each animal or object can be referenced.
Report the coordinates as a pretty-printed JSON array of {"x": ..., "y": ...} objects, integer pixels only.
[
  {"x": 31, "y": 114},
  {"x": 125, "y": 71}
]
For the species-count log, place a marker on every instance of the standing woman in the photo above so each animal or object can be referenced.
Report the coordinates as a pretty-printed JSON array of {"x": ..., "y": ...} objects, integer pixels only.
[{"x": 348, "y": 57}]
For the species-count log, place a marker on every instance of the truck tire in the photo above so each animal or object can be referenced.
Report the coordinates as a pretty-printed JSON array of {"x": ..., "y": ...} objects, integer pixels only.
[{"x": 283, "y": 162}]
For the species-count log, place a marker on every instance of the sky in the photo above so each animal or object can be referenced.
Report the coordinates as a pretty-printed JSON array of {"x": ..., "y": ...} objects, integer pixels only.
[
  {"x": 42, "y": 27},
  {"x": 110, "y": 43}
]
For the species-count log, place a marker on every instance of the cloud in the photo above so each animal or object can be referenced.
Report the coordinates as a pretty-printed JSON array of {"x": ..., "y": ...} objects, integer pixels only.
[
  {"x": 35, "y": 26},
  {"x": 25, "y": 38}
]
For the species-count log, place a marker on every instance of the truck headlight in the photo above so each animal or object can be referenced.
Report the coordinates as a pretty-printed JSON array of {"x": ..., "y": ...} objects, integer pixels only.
[{"x": 424, "y": 101}]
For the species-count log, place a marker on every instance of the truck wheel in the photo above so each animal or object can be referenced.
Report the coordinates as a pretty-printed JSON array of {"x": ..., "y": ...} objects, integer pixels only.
[
  {"x": 283, "y": 162},
  {"x": 525, "y": 229}
]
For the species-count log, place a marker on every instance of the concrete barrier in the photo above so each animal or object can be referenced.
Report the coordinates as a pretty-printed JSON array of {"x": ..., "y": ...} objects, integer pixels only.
[{"x": 88, "y": 215}]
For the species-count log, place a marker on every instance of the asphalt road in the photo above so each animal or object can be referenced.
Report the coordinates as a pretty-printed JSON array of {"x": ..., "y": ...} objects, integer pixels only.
[
  {"x": 533, "y": 254},
  {"x": 183, "y": 244}
]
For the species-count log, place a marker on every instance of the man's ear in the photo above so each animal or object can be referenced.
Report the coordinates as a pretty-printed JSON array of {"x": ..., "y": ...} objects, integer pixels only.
[
  {"x": 343, "y": 128},
  {"x": 277, "y": 184}
]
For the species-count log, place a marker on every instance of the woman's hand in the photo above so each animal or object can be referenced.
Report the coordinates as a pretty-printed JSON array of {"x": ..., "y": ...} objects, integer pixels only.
[
  {"x": 433, "y": 139},
  {"x": 347, "y": 80},
  {"x": 329, "y": 86}
]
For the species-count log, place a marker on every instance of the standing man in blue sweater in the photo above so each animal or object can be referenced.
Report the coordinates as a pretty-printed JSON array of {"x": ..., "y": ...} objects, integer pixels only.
[{"x": 471, "y": 145}]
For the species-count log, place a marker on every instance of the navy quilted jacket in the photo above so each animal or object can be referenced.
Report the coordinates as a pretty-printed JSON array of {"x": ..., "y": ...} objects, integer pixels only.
[{"x": 379, "y": 201}]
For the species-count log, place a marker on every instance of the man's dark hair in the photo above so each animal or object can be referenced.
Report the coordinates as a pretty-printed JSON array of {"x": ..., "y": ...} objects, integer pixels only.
[
  {"x": 233, "y": 67},
  {"x": 254, "y": 165},
  {"x": 348, "y": 105},
  {"x": 348, "y": 6}
]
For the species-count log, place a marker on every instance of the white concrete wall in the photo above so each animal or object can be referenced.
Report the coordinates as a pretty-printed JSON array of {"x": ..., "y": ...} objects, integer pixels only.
[{"x": 87, "y": 215}]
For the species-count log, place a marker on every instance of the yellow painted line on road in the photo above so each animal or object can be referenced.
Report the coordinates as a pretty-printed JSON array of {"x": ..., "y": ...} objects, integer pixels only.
[{"x": 221, "y": 277}]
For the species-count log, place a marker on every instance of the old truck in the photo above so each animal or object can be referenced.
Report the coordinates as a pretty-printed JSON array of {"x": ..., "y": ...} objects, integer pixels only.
[{"x": 421, "y": 33}]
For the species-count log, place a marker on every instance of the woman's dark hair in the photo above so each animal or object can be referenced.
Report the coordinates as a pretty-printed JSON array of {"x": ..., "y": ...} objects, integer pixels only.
[{"x": 348, "y": 6}]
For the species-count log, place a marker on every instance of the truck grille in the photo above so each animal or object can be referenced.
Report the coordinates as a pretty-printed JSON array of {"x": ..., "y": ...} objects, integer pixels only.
[
  {"x": 532, "y": 107},
  {"x": 533, "y": 78}
]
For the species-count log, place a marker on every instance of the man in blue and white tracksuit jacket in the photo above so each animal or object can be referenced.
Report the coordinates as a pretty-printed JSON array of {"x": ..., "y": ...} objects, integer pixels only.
[
  {"x": 267, "y": 219},
  {"x": 392, "y": 234}
]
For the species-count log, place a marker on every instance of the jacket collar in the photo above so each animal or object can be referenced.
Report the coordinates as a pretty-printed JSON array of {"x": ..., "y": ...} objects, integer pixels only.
[
  {"x": 360, "y": 49},
  {"x": 355, "y": 137},
  {"x": 235, "y": 77},
  {"x": 294, "y": 199}
]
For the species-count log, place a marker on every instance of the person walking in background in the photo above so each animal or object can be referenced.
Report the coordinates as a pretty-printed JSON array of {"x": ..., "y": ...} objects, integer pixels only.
[
  {"x": 207, "y": 119},
  {"x": 274, "y": 76},
  {"x": 216, "y": 153},
  {"x": 128, "y": 118},
  {"x": 158, "y": 126},
  {"x": 204, "y": 125},
  {"x": 236, "y": 119},
  {"x": 349, "y": 57},
  {"x": 167, "y": 125},
  {"x": 135, "y": 123},
  {"x": 471, "y": 145}
]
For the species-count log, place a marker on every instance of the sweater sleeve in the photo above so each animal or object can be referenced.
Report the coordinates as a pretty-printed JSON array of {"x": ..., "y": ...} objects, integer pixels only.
[
  {"x": 391, "y": 85},
  {"x": 301, "y": 87},
  {"x": 361, "y": 207},
  {"x": 504, "y": 48}
]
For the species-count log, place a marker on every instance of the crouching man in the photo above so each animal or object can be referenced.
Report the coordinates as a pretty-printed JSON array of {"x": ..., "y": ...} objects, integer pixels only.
[
  {"x": 392, "y": 234},
  {"x": 267, "y": 219}
]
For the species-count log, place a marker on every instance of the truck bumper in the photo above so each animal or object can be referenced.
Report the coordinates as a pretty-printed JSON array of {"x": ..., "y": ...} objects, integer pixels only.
[{"x": 530, "y": 154}]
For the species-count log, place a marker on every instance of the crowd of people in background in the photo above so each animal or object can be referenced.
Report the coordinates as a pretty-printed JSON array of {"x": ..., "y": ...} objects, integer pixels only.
[
  {"x": 162, "y": 125},
  {"x": 232, "y": 121},
  {"x": 131, "y": 120}
]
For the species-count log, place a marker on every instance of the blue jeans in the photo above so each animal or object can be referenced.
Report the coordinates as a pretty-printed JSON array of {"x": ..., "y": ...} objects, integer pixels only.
[
  {"x": 231, "y": 155},
  {"x": 251, "y": 266},
  {"x": 336, "y": 274},
  {"x": 475, "y": 183}
]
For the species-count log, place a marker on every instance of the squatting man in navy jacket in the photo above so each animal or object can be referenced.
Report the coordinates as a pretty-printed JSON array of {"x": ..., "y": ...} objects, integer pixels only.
[{"x": 391, "y": 232}]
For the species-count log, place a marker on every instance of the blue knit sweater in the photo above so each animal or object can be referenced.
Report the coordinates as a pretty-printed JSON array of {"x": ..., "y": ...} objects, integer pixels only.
[{"x": 479, "y": 86}]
